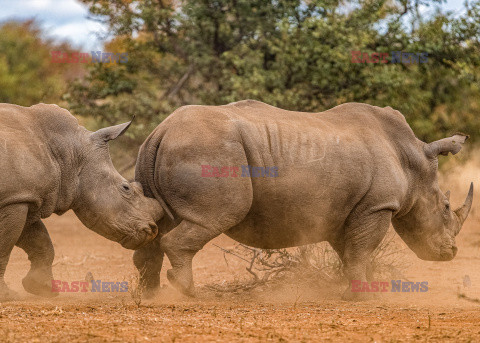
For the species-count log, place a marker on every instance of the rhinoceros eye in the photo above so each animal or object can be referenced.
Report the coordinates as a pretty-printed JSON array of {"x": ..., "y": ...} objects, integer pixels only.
[{"x": 126, "y": 187}]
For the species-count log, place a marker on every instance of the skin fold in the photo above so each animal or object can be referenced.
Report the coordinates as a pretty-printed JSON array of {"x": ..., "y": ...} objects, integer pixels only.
[
  {"x": 50, "y": 164},
  {"x": 343, "y": 176}
]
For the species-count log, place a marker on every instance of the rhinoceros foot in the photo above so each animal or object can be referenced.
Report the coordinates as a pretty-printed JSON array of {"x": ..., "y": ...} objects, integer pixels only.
[
  {"x": 6, "y": 294},
  {"x": 183, "y": 283},
  {"x": 149, "y": 292},
  {"x": 39, "y": 283},
  {"x": 150, "y": 285}
]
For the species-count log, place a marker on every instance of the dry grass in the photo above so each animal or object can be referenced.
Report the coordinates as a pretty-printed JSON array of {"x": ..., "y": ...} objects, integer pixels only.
[{"x": 315, "y": 263}]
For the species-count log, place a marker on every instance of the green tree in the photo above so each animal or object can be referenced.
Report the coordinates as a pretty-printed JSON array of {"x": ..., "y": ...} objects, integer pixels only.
[
  {"x": 27, "y": 75},
  {"x": 289, "y": 53}
]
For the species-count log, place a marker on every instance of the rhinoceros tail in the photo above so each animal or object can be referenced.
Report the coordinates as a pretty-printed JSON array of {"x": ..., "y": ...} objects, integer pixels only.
[
  {"x": 162, "y": 203},
  {"x": 148, "y": 164}
]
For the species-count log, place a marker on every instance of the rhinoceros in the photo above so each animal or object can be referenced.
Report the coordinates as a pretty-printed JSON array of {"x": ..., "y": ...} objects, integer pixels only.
[
  {"x": 341, "y": 176},
  {"x": 50, "y": 164}
]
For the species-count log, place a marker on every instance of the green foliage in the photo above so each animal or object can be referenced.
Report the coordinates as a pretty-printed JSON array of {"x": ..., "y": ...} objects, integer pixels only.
[
  {"x": 27, "y": 75},
  {"x": 289, "y": 53}
]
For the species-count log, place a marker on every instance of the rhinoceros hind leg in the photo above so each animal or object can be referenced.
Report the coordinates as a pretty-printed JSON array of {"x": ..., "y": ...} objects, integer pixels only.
[
  {"x": 362, "y": 236},
  {"x": 36, "y": 242},
  {"x": 181, "y": 244},
  {"x": 12, "y": 221},
  {"x": 148, "y": 260}
]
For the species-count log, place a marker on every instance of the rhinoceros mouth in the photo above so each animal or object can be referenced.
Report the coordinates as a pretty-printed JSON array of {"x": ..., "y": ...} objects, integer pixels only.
[
  {"x": 129, "y": 242},
  {"x": 126, "y": 236},
  {"x": 135, "y": 242},
  {"x": 444, "y": 253},
  {"x": 447, "y": 254}
]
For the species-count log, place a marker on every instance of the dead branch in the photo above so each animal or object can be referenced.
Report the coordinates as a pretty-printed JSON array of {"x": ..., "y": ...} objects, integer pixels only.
[
  {"x": 64, "y": 259},
  {"x": 313, "y": 262},
  {"x": 464, "y": 296},
  {"x": 226, "y": 251},
  {"x": 171, "y": 93}
]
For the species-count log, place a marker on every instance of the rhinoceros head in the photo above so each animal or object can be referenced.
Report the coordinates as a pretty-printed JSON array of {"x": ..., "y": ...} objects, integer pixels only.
[
  {"x": 429, "y": 225},
  {"x": 106, "y": 202}
]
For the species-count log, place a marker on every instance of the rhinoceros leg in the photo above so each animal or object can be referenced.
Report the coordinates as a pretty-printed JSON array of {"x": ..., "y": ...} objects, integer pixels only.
[
  {"x": 362, "y": 235},
  {"x": 149, "y": 260},
  {"x": 12, "y": 221},
  {"x": 36, "y": 242},
  {"x": 181, "y": 244}
]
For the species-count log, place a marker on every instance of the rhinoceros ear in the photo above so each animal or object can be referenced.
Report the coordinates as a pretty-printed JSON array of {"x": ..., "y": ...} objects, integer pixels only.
[
  {"x": 444, "y": 146},
  {"x": 108, "y": 133}
]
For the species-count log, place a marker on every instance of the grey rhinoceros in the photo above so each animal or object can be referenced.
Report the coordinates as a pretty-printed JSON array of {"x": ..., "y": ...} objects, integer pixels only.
[
  {"x": 50, "y": 164},
  {"x": 343, "y": 176}
]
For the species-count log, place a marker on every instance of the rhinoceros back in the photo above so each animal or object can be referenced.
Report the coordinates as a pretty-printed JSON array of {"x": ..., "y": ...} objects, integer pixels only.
[{"x": 29, "y": 138}]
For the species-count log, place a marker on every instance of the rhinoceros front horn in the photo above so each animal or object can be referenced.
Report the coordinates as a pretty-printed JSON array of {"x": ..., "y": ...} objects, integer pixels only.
[{"x": 462, "y": 212}]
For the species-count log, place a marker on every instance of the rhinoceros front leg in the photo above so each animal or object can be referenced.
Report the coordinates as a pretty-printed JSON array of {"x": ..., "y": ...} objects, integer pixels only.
[
  {"x": 181, "y": 244},
  {"x": 36, "y": 242},
  {"x": 363, "y": 234},
  {"x": 148, "y": 260},
  {"x": 12, "y": 221}
]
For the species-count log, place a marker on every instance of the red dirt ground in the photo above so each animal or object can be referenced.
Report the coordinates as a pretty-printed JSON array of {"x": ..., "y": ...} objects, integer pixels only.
[{"x": 290, "y": 313}]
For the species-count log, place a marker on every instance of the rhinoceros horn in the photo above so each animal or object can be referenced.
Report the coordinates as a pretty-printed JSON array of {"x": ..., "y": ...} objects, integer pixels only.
[{"x": 462, "y": 212}]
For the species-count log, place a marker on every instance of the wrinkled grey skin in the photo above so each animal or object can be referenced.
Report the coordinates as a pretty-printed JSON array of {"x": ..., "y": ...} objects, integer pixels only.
[
  {"x": 344, "y": 175},
  {"x": 50, "y": 164}
]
